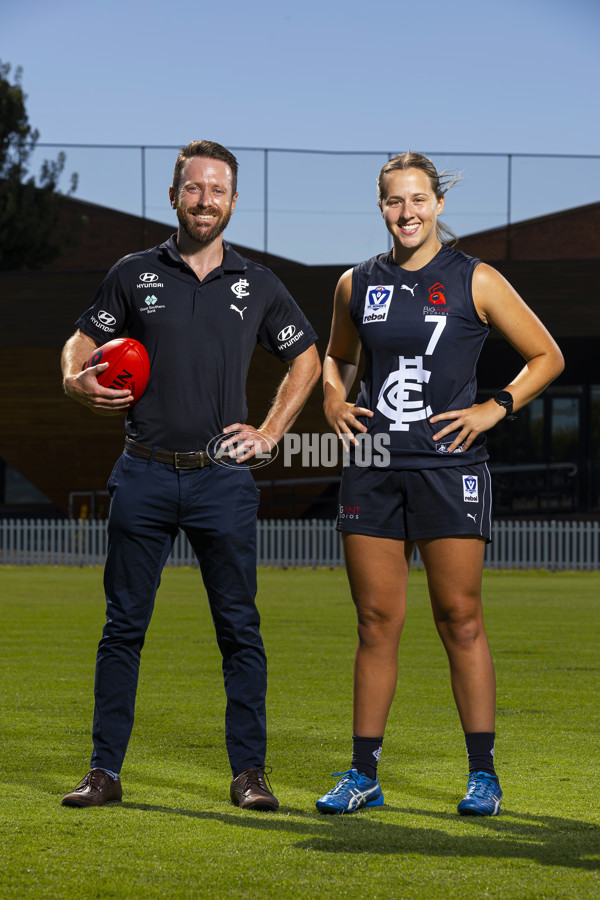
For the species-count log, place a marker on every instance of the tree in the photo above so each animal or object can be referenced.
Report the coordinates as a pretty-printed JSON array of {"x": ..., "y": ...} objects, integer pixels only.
[{"x": 31, "y": 234}]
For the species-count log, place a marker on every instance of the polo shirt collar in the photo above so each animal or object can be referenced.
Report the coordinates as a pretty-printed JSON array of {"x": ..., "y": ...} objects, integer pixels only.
[{"x": 232, "y": 260}]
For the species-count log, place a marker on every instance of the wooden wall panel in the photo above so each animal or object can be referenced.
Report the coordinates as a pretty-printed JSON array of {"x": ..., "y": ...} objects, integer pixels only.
[{"x": 61, "y": 447}]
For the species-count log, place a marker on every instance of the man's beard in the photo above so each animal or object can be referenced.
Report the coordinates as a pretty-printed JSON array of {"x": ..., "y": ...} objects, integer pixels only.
[{"x": 198, "y": 233}]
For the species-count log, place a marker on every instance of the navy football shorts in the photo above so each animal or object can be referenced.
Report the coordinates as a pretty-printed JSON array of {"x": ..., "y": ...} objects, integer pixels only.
[{"x": 416, "y": 505}]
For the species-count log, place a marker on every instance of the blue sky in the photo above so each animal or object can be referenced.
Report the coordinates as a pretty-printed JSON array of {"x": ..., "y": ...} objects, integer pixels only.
[{"x": 519, "y": 76}]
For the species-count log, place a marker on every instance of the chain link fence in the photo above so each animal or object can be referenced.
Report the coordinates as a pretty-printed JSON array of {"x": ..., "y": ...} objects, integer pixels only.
[{"x": 320, "y": 207}]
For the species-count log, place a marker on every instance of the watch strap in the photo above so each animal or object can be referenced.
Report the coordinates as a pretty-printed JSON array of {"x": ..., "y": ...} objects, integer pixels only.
[{"x": 505, "y": 399}]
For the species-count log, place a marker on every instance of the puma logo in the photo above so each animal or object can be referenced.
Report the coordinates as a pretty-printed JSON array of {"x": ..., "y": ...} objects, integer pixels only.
[
  {"x": 474, "y": 517},
  {"x": 405, "y": 287},
  {"x": 240, "y": 311}
]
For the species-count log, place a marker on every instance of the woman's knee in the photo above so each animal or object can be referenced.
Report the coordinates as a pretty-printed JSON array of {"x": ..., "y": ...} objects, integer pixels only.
[
  {"x": 462, "y": 630},
  {"x": 379, "y": 625}
]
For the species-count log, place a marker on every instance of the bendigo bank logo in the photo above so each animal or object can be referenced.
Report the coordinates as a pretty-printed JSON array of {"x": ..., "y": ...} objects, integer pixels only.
[
  {"x": 436, "y": 294},
  {"x": 377, "y": 302}
]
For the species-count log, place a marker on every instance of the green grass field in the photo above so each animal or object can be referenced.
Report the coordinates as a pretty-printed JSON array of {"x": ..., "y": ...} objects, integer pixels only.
[{"x": 176, "y": 835}]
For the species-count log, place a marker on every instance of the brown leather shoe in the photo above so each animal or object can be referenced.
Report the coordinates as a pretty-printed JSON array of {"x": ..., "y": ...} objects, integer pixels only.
[
  {"x": 251, "y": 790},
  {"x": 95, "y": 789}
]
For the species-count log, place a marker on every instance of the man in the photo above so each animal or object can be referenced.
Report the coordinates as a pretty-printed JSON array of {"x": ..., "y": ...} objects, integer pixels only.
[{"x": 208, "y": 308}]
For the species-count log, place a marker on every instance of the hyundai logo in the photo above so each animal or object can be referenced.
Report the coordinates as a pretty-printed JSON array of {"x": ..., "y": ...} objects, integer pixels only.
[
  {"x": 286, "y": 333},
  {"x": 148, "y": 277},
  {"x": 106, "y": 318}
]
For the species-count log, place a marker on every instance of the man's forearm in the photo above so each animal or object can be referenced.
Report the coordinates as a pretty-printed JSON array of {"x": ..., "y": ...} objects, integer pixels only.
[
  {"x": 75, "y": 352},
  {"x": 292, "y": 393}
]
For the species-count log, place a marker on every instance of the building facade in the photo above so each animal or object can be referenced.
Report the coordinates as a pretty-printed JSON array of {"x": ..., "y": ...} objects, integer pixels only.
[{"x": 55, "y": 456}]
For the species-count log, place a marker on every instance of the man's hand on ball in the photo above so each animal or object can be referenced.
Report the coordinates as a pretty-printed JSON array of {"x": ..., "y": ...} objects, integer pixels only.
[{"x": 103, "y": 401}]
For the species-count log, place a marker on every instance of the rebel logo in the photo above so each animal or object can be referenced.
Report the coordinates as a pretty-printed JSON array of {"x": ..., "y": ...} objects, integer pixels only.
[{"x": 377, "y": 302}]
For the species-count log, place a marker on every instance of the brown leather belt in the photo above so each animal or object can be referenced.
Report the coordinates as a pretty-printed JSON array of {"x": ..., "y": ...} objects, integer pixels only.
[{"x": 193, "y": 459}]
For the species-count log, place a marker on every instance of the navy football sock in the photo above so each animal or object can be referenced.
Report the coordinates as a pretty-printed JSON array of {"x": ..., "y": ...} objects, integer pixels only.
[
  {"x": 365, "y": 755},
  {"x": 480, "y": 751}
]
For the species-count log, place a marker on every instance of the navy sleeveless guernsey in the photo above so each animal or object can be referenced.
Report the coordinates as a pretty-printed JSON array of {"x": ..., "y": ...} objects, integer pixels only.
[{"x": 421, "y": 339}]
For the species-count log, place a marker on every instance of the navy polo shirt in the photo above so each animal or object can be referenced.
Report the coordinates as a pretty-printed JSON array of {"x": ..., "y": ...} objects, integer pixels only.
[{"x": 200, "y": 336}]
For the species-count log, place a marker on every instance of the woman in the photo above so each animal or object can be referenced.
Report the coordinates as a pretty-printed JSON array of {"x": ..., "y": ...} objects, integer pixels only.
[{"x": 421, "y": 314}]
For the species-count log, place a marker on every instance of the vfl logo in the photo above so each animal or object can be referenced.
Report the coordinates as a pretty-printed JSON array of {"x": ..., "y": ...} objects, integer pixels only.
[
  {"x": 436, "y": 294},
  {"x": 377, "y": 302},
  {"x": 470, "y": 489},
  {"x": 405, "y": 287},
  {"x": 286, "y": 333},
  {"x": 150, "y": 301},
  {"x": 106, "y": 318},
  {"x": 239, "y": 289},
  {"x": 378, "y": 296},
  {"x": 240, "y": 311}
]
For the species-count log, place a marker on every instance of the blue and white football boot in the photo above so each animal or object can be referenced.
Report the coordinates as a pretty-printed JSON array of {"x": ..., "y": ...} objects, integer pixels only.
[
  {"x": 483, "y": 797},
  {"x": 352, "y": 792}
]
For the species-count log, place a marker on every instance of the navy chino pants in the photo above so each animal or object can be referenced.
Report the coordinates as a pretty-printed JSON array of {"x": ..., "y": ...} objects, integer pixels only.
[{"x": 216, "y": 507}]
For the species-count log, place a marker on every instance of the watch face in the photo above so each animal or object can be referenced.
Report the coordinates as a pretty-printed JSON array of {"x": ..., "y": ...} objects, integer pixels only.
[{"x": 503, "y": 398}]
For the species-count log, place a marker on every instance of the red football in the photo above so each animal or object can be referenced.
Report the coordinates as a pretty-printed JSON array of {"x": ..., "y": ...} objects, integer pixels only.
[{"x": 129, "y": 366}]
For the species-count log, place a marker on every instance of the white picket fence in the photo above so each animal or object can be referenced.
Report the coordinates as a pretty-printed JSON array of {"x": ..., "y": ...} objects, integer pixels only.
[{"x": 551, "y": 545}]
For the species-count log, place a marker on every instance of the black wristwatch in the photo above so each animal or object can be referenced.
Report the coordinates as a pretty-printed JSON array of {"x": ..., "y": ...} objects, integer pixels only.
[{"x": 505, "y": 399}]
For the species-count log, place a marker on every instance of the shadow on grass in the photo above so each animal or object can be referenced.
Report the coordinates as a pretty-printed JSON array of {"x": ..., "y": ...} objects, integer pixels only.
[{"x": 548, "y": 840}]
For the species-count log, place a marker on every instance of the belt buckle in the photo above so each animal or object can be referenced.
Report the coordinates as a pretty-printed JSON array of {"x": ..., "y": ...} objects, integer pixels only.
[
  {"x": 182, "y": 456},
  {"x": 190, "y": 454}
]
